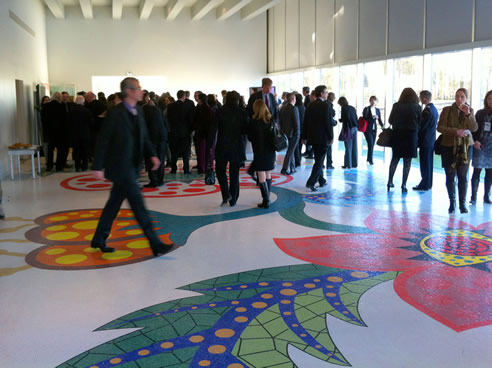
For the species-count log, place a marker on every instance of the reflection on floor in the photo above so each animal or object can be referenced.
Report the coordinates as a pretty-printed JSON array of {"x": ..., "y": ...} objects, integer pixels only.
[{"x": 349, "y": 275}]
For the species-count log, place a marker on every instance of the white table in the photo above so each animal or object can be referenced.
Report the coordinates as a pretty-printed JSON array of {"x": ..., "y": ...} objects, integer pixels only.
[{"x": 22, "y": 152}]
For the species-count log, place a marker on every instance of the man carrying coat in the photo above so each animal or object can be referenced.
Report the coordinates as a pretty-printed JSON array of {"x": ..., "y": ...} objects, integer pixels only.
[{"x": 119, "y": 151}]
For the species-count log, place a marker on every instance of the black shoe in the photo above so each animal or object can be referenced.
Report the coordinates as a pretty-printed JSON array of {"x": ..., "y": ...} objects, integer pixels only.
[
  {"x": 345, "y": 167},
  {"x": 172, "y": 172},
  {"x": 161, "y": 248},
  {"x": 284, "y": 172},
  {"x": 232, "y": 203},
  {"x": 322, "y": 183},
  {"x": 150, "y": 185},
  {"x": 370, "y": 163},
  {"x": 330, "y": 168},
  {"x": 451, "y": 207},
  {"x": 103, "y": 247},
  {"x": 419, "y": 188},
  {"x": 404, "y": 189},
  {"x": 311, "y": 188}
]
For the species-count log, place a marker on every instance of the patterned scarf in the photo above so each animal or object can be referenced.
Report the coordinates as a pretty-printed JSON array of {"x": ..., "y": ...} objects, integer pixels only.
[{"x": 461, "y": 144}]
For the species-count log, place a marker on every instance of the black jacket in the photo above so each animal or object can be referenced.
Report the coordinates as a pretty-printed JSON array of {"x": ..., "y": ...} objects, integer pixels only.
[
  {"x": 405, "y": 116},
  {"x": 155, "y": 124},
  {"x": 180, "y": 117},
  {"x": 121, "y": 145},
  {"x": 318, "y": 123},
  {"x": 372, "y": 124},
  {"x": 232, "y": 125},
  {"x": 82, "y": 122},
  {"x": 348, "y": 117},
  {"x": 289, "y": 121}
]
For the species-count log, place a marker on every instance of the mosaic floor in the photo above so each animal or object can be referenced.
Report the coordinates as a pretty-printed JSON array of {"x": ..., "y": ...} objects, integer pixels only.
[{"x": 347, "y": 276}]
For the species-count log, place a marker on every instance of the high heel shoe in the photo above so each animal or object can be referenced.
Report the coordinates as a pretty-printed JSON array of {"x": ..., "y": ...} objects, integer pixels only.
[
  {"x": 160, "y": 249},
  {"x": 404, "y": 189},
  {"x": 390, "y": 185}
]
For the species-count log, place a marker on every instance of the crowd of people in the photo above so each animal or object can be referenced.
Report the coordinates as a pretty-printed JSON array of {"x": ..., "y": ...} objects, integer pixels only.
[{"x": 219, "y": 133}]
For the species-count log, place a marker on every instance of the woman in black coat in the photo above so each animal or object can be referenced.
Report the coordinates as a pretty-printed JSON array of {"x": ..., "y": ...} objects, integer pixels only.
[
  {"x": 405, "y": 119},
  {"x": 261, "y": 136},
  {"x": 232, "y": 124},
  {"x": 302, "y": 110},
  {"x": 373, "y": 117},
  {"x": 349, "y": 125}
]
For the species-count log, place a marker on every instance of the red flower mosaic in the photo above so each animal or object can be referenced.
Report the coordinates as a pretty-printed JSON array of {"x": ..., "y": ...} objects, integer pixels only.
[{"x": 445, "y": 263}]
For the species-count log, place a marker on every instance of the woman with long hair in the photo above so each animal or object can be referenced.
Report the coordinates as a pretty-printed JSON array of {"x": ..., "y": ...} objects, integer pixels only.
[
  {"x": 456, "y": 124},
  {"x": 261, "y": 136},
  {"x": 405, "y": 118},
  {"x": 482, "y": 150},
  {"x": 348, "y": 119}
]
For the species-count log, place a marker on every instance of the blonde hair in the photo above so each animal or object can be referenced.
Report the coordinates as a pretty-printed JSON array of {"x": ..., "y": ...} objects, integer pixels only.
[{"x": 261, "y": 111}]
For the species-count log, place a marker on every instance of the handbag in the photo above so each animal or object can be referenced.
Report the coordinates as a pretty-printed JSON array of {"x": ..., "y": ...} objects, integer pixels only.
[
  {"x": 280, "y": 140},
  {"x": 362, "y": 125},
  {"x": 437, "y": 145},
  {"x": 384, "y": 138},
  {"x": 345, "y": 135}
]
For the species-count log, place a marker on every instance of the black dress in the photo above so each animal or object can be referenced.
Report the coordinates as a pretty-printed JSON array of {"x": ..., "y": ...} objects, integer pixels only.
[
  {"x": 405, "y": 119},
  {"x": 260, "y": 135}
]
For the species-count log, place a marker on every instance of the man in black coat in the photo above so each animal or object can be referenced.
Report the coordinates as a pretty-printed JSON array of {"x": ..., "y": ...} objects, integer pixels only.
[
  {"x": 290, "y": 126},
  {"x": 306, "y": 91},
  {"x": 82, "y": 122},
  {"x": 97, "y": 108},
  {"x": 318, "y": 131},
  {"x": 427, "y": 139},
  {"x": 59, "y": 132},
  {"x": 119, "y": 151},
  {"x": 180, "y": 117},
  {"x": 158, "y": 136}
]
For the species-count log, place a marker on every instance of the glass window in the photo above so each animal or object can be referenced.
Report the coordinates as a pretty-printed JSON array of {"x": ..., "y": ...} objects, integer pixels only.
[
  {"x": 311, "y": 78},
  {"x": 450, "y": 71},
  {"x": 375, "y": 84},
  {"x": 348, "y": 83},
  {"x": 329, "y": 77},
  {"x": 296, "y": 80},
  {"x": 408, "y": 72},
  {"x": 485, "y": 74}
]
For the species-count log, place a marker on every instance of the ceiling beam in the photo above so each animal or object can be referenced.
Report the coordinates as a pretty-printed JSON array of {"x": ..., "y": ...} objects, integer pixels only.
[
  {"x": 146, "y": 7},
  {"x": 86, "y": 7},
  {"x": 174, "y": 7},
  {"x": 56, "y": 8},
  {"x": 230, "y": 7},
  {"x": 256, "y": 8},
  {"x": 117, "y": 9},
  {"x": 203, "y": 7}
]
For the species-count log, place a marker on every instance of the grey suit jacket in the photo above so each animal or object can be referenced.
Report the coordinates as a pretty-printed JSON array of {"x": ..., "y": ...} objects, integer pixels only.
[{"x": 289, "y": 121}]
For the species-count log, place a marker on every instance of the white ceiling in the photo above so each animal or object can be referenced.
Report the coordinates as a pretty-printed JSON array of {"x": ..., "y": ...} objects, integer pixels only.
[{"x": 199, "y": 8}]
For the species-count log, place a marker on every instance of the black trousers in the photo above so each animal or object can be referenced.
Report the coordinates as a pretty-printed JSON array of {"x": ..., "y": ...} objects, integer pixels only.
[
  {"x": 156, "y": 177},
  {"x": 180, "y": 147},
  {"x": 426, "y": 158},
  {"x": 370, "y": 139},
  {"x": 229, "y": 189},
  {"x": 80, "y": 152},
  {"x": 131, "y": 191},
  {"x": 329, "y": 160},
  {"x": 289, "y": 163},
  {"x": 317, "y": 170}
]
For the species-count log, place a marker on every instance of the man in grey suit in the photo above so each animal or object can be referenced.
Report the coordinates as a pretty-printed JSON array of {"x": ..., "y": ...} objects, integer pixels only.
[{"x": 290, "y": 126}]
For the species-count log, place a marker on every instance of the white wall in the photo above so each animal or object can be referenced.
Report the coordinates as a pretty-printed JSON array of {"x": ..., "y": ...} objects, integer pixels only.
[
  {"x": 208, "y": 55},
  {"x": 24, "y": 58},
  {"x": 350, "y": 31}
]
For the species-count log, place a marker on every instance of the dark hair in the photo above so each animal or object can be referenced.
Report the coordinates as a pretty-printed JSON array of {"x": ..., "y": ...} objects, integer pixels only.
[
  {"x": 487, "y": 107},
  {"x": 266, "y": 82},
  {"x": 408, "y": 95},
  {"x": 212, "y": 101},
  {"x": 290, "y": 95},
  {"x": 232, "y": 98},
  {"x": 187, "y": 93},
  {"x": 202, "y": 97},
  {"x": 126, "y": 83},
  {"x": 64, "y": 93},
  {"x": 373, "y": 98},
  {"x": 342, "y": 101},
  {"x": 81, "y": 93},
  {"x": 426, "y": 94},
  {"x": 101, "y": 95},
  {"x": 180, "y": 94},
  {"x": 319, "y": 90},
  {"x": 298, "y": 99},
  {"x": 306, "y": 89},
  {"x": 464, "y": 90},
  {"x": 44, "y": 98},
  {"x": 119, "y": 95}
]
